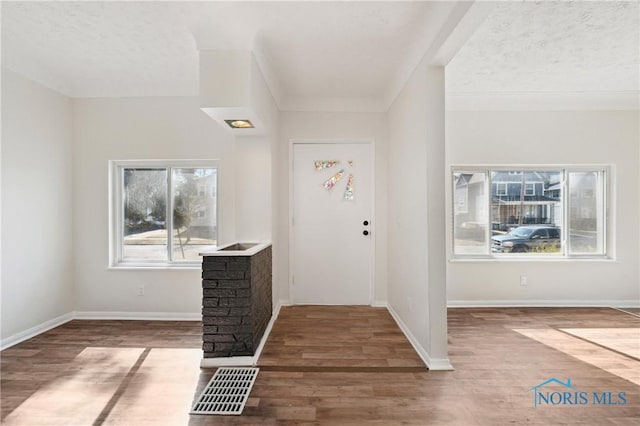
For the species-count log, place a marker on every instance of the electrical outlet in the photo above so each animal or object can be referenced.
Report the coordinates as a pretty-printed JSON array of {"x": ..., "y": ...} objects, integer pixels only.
[
  {"x": 141, "y": 290},
  {"x": 523, "y": 280}
]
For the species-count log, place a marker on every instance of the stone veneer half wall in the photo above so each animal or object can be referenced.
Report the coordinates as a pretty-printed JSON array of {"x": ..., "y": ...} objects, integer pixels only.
[{"x": 236, "y": 303}]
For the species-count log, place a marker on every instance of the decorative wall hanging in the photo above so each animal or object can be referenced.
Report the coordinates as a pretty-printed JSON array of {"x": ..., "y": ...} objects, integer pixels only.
[
  {"x": 331, "y": 182},
  {"x": 321, "y": 165},
  {"x": 349, "y": 191}
]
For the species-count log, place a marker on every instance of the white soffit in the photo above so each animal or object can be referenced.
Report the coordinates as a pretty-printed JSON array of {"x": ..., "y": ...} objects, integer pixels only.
[
  {"x": 345, "y": 55},
  {"x": 575, "y": 53}
]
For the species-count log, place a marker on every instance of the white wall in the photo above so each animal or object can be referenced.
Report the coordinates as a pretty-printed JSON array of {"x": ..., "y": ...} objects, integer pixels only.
[
  {"x": 416, "y": 211},
  {"x": 253, "y": 165},
  {"x": 257, "y": 165},
  {"x": 552, "y": 137},
  {"x": 408, "y": 206},
  {"x": 139, "y": 128},
  {"x": 334, "y": 125},
  {"x": 253, "y": 189},
  {"x": 159, "y": 128},
  {"x": 37, "y": 281}
]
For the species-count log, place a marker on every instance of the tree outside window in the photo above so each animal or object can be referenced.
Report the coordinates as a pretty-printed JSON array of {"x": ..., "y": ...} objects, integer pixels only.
[{"x": 148, "y": 234}]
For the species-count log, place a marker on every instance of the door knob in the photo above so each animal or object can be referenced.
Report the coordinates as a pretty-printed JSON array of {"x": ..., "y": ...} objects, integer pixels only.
[{"x": 365, "y": 232}]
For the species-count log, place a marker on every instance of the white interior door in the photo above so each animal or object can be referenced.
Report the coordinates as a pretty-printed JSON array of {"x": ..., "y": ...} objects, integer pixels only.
[{"x": 331, "y": 224}]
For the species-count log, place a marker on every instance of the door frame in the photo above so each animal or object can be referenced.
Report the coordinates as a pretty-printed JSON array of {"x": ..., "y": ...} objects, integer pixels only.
[{"x": 372, "y": 160}]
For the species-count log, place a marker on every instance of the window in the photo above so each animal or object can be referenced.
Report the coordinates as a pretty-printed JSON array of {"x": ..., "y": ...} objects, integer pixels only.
[
  {"x": 470, "y": 213},
  {"x": 529, "y": 189},
  {"x": 160, "y": 214},
  {"x": 524, "y": 213},
  {"x": 586, "y": 222}
]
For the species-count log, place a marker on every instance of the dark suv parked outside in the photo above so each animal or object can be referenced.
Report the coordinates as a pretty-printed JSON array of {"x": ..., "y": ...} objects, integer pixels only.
[{"x": 530, "y": 238}]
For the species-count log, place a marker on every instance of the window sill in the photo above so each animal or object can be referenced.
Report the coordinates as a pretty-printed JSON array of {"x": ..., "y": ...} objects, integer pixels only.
[
  {"x": 530, "y": 259},
  {"x": 156, "y": 267}
]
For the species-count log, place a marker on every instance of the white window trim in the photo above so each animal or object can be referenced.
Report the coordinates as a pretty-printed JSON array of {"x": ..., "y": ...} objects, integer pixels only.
[
  {"x": 564, "y": 256},
  {"x": 116, "y": 208},
  {"x": 504, "y": 185},
  {"x": 533, "y": 188}
]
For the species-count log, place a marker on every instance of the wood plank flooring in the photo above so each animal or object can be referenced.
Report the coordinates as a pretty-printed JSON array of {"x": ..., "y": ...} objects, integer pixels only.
[
  {"x": 357, "y": 337},
  {"x": 625, "y": 341},
  {"x": 632, "y": 311},
  {"x": 322, "y": 365}
]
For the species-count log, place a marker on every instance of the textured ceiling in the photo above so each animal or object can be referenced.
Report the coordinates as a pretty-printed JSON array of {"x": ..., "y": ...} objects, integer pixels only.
[
  {"x": 102, "y": 49},
  {"x": 328, "y": 49},
  {"x": 551, "y": 47},
  {"x": 318, "y": 49}
]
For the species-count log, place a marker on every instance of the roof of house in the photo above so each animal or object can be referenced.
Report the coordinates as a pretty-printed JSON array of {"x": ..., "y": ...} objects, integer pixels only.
[{"x": 504, "y": 176}]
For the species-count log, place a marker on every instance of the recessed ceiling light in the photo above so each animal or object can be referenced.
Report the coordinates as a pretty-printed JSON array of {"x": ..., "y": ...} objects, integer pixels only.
[{"x": 239, "y": 124}]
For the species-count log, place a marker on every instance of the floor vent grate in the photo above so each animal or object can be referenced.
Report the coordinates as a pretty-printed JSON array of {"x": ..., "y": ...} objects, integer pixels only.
[{"x": 227, "y": 391}]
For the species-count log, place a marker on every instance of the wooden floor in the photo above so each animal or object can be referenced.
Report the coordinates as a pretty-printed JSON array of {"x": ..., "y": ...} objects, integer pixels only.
[
  {"x": 634, "y": 311},
  {"x": 328, "y": 365},
  {"x": 352, "y": 338}
]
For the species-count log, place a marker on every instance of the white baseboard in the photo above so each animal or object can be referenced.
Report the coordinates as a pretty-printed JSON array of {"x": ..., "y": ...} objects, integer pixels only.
[
  {"x": 440, "y": 364},
  {"x": 433, "y": 364},
  {"x": 627, "y": 304},
  {"x": 542, "y": 303},
  {"x": 267, "y": 331},
  {"x": 144, "y": 316},
  {"x": 34, "y": 331},
  {"x": 379, "y": 304},
  {"x": 105, "y": 315},
  {"x": 244, "y": 361},
  {"x": 231, "y": 361}
]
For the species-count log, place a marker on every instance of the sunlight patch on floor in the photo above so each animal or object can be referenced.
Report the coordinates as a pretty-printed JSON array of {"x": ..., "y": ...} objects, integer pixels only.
[
  {"x": 161, "y": 391},
  {"x": 624, "y": 340},
  {"x": 117, "y": 386},
  {"x": 612, "y": 362},
  {"x": 81, "y": 393}
]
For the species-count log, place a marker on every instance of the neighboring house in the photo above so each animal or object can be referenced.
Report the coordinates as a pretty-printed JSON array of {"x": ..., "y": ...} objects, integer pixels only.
[
  {"x": 525, "y": 198},
  {"x": 197, "y": 201},
  {"x": 469, "y": 197},
  {"x": 538, "y": 202},
  {"x": 206, "y": 212},
  {"x": 513, "y": 205},
  {"x": 583, "y": 210}
]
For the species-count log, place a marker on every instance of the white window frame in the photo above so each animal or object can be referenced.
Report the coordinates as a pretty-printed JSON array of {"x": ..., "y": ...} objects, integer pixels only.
[
  {"x": 528, "y": 185},
  {"x": 504, "y": 185},
  {"x": 116, "y": 210},
  {"x": 608, "y": 175}
]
